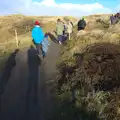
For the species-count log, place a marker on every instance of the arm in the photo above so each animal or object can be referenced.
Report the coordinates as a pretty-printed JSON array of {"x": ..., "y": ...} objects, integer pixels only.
[
  {"x": 85, "y": 23},
  {"x": 33, "y": 33},
  {"x": 72, "y": 24}
]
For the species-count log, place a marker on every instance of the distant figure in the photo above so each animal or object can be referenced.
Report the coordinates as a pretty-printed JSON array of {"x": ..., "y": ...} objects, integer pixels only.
[
  {"x": 112, "y": 19},
  {"x": 118, "y": 15},
  {"x": 59, "y": 31},
  {"x": 65, "y": 28},
  {"x": 38, "y": 36},
  {"x": 115, "y": 20},
  {"x": 64, "y": 32},
  {"x": 81, "y": 24},
  {"x": 69, "y": 29}
]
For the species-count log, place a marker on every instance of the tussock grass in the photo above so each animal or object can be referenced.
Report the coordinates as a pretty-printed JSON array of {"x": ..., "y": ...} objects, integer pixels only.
[
  {"x": 89, "y": 71},
  {"x": 23, "y": 25}
]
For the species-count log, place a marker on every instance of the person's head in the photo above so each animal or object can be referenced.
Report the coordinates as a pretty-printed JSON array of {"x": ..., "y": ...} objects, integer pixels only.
[
  {"x": 83, "y": 18},
  {"x": 46, "y": 34},
  {"x": 37, "y": 23},
  {"x": 58, "y": 20}
]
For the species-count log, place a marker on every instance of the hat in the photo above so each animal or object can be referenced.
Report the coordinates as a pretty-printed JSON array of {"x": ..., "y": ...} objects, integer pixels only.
[{"x": 37, "y": 23}]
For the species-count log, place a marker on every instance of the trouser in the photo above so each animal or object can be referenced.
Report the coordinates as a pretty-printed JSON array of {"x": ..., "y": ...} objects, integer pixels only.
[
  {"x": 60, "y": 38},
  {"x": 39, "y": 48},
  {"x": 63, "y": 32}
]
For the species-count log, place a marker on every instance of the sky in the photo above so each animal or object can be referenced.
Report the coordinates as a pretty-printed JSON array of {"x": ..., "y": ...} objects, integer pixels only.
[{"x": 59, "y": 7}]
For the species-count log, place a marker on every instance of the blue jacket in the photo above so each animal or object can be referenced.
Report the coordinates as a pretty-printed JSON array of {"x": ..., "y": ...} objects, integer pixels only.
[{"x": 37, "y": 34}]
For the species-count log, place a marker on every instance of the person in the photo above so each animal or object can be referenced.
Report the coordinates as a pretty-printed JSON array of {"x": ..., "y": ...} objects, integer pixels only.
[
  {"x": 64, "y": 31},
  {"x": 38, "y": 36},
  {"x": 81, "y": 24},
  {"x": 45, "y": 44},
  {"x": 69, "y": 29},
  {"x": 112, "y": 19},
  {"x": 59, "y": 31},
  {"x": 119, "y": 15},
  {"x": 65, "y": 28},
  {"x": 115, "y": 20}
]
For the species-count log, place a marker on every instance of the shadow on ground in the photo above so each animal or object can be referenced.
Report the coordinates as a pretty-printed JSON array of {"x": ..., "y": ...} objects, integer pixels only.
[
  {"x": 32, "y": 107},
  {"x": 53, "y": 38},
  {"x": 6, "y": 72}
]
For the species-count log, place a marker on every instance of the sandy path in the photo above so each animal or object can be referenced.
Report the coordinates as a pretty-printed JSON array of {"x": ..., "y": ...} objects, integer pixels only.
[{"x": 26, "y": 95}]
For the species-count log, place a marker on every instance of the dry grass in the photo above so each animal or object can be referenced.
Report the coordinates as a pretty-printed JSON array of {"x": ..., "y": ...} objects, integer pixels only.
[
  {"x": 94, "y": 71},
  {"x": 23, "y": 25}
]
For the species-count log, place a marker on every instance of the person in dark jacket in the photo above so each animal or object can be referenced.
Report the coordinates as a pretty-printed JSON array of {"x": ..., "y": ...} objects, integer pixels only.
[{"x": 81, "y": 24}]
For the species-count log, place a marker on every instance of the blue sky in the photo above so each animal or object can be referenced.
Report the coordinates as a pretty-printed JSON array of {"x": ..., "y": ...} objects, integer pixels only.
[
  {"x": 107, "y": 3},
  {"x": 59, "y": 7}
]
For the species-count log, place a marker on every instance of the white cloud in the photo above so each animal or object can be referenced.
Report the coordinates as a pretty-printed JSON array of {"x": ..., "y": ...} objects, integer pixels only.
[
  {"x": 118, "y": 8},
  {"x": 50, "y": 7}
]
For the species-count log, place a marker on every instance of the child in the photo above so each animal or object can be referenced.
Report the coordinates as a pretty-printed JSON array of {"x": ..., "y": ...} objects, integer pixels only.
[
  {"x": 45, "y": 44},
  {"x": 38, "y": 36}
]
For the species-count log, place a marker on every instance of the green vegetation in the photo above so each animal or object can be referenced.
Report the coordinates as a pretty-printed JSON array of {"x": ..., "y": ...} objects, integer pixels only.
[
  {"x": 88, "y": 84},
  {"x": 23, "y": 25},
  {"x": 87, "y": 87}
]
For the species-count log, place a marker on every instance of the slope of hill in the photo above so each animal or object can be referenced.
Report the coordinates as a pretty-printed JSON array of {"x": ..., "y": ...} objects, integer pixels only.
[
  {"x": 88, "y": 85},
  {"x": 23, "y": 25}
]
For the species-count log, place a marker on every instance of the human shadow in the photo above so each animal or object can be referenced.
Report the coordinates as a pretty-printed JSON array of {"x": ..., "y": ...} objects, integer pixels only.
[
  {"x": 53, "y": 38},
  {"x": 6, "y": 73},
  {"x": 33, "y": 76}
]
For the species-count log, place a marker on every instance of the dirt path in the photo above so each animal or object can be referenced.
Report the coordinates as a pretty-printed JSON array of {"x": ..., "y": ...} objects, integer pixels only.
[{"x": 24, "y": 92}]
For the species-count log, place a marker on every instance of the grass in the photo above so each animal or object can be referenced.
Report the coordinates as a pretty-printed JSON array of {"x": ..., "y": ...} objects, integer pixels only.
[
  {"x": 85, "y": 90},
  {"x": 23, "y": 25},
  {"x": 89, "y": 73}
]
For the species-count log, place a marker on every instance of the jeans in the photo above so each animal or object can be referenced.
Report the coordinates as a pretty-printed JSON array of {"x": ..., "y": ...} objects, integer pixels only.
[
  {"x": 39, "y": 49},
  {"x": 60, "y": 38}
]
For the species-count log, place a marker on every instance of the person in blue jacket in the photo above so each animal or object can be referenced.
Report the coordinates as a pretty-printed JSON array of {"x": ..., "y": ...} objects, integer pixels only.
[{"x": 38, "y": 37}]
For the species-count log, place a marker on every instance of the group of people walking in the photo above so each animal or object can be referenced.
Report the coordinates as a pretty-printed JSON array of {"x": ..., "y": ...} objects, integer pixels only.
[
  {"x": 114, "y": 18},
  {"x": 63, "y": 32}
]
